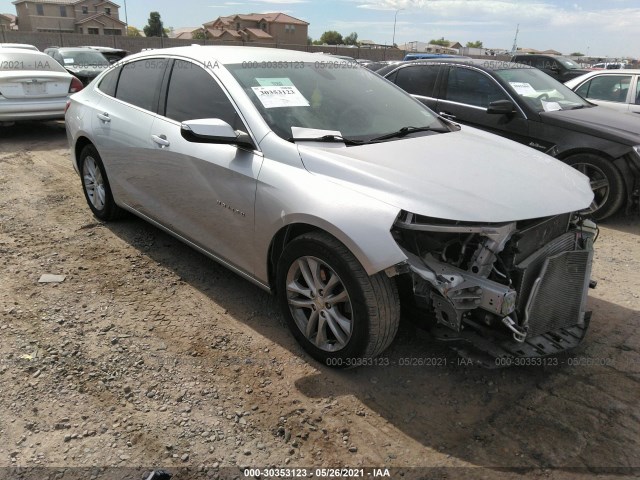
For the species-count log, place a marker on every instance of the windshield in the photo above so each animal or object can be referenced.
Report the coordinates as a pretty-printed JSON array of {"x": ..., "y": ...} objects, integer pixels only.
[
  {"x": 332, "y": 96},
  {"x": 539, "y": 90},
  {"x": 83, "y": 58},
  {"x": 26, "y": 60},
  {"x": 567, "y": 62}
]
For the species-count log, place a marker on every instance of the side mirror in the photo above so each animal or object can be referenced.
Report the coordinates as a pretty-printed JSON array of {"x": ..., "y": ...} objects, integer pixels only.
[
  {"x": 500, "y": 107},
  {"x": 214, "y": 130}
]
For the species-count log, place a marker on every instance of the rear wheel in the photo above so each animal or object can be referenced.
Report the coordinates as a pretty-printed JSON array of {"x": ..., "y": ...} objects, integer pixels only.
[
  {"x": 338, "y": 313},
  {"x": 606, "y": 182},
  {"x": 95, "y": 185}
]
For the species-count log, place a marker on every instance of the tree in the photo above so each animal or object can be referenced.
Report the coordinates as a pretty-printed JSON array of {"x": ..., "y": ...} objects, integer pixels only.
[
  {"x": 331, "y": 37},
  {"x": 442, "y": 42},
  {"x": 309, "y": 40},
  {"x": 577, "y": 54},
  {"x": 133, "y": 32},
  {"x": 476, "y": 44},
  {"x": 199, "y": 34},
  {"x": 154, "y": 26},
  {"x": 351, "y": 39}
]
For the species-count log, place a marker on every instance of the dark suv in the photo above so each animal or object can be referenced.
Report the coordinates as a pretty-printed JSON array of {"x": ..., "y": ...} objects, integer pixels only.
[
  {"x": 560, "y": 68},
  {"x": 522, "y": 103}
]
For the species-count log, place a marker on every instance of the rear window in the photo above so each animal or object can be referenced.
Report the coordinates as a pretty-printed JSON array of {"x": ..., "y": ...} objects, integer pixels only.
[{"x": 10, "y": 61}]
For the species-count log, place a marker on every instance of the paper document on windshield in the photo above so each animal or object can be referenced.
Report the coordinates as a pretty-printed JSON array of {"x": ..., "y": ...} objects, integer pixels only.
[
  {"x": 523, "y": 88},
  {"x": 280, "y": 96},
  {"x": 551, "y": 106},
  {"x": 301, "y": 132}
]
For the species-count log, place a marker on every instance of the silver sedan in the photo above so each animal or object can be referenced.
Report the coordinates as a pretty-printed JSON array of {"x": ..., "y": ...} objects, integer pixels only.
[
  {"x": 617, "y": 89},
  {"x": 320, "y": 181},
  {"x": 33, "y": 86}
]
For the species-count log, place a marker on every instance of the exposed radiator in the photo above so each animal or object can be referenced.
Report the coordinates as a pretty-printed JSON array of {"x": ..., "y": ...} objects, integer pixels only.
[{"x": 559, "y": 293}]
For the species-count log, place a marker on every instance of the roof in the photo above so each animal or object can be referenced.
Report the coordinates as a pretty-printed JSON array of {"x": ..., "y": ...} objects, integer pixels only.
[
  {"x": 60, "y": 2},
  {"x": 179, "y": 32},
  {"x": 256, "y": 32},
  {"x": 96, "y": 16},
  {"x": 490, "y": 65},
  {"x": 234, "y": 54},
  {"x": 275, "y": 17}
]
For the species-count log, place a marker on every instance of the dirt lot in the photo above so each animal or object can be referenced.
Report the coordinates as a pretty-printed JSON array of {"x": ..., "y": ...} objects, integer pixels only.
[{"x": 150, "y": 355}]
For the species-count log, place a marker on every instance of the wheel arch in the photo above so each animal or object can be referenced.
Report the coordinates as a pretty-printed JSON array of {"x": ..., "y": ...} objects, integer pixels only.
[
  {"x": 292, "y": 230},
  {"x": 81, "y": 143}
]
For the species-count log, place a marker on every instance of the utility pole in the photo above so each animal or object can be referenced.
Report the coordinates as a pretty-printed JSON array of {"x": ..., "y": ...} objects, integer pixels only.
[
  {"x": 514, "y": 49},
  {"x": 393, "y": 42}
]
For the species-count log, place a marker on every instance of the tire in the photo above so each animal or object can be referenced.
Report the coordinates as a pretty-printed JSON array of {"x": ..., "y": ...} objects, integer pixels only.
[
  {"x": 347, "y": 316},
  {"x": 95, "y": 185},
  {"x": 606, "y": 182}
]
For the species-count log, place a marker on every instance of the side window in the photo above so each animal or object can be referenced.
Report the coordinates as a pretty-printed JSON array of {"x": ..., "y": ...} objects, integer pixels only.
[
  {"x": 637, "y": 99},
  {"x": 418, "y": 80},
  {"x": 472, "y": 88},
  {"x": 583, "y": 90},
  {"x": 140, "y": 81},
  {"x": 610, "y": 88},
  {"x": 209, "y": 102},
  {"x": 109, "y": 82}
]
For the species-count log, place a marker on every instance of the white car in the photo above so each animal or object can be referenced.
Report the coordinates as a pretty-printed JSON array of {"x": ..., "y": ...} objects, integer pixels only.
[
  {"x": 25, "y": 46},
  {"x": 617, "y": 89},
  {"x": 33, "y": 86},
  {"x": 329, "y": 186}
]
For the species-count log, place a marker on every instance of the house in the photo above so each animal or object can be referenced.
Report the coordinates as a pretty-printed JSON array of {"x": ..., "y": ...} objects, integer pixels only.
[
  {"x": 8, "y": 22},
  {"x": 258, "y": 28},
  {"x": 185, "y": 33},
  {"x": 93, "y": 17},
  {"x": 423, "y": 47}
]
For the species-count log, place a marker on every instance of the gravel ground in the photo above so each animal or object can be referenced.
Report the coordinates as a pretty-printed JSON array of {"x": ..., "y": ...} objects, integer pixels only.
[{"x": 150, "y": 355}]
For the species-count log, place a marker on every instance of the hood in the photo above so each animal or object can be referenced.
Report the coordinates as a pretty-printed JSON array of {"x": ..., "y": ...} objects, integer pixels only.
[
  {"x": 467, "y": 175},
  {"x": 599, "y": 122}
]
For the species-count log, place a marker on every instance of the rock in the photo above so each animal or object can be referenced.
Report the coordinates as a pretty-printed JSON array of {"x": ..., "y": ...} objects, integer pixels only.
[
  {"x": 67, "y": 438},
  {"x": 184, "y": 457},
  {"x": 181, "y": 395},
  {"x": 247, "y": 451},
  {"x": 353, "y": 449},
  {"x": 287, "y": 435}
]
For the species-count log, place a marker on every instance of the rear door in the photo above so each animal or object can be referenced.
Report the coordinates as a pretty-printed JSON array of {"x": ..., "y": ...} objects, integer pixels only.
[
  {"x": 122, "y": 122},
  {"x": 419, "y": 80},
  {"x": 465, "y": 95}
]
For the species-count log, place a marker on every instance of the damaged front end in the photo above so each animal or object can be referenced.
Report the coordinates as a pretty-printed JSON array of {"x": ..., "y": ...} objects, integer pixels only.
[{"x": 516, "y": 289}]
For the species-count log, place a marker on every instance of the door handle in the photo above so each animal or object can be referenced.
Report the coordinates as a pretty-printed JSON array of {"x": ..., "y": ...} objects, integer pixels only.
[
  {"x": 104, "y": 117},
  {"x": 448, "y": 116},
  {"x": 161, "y": 140}
]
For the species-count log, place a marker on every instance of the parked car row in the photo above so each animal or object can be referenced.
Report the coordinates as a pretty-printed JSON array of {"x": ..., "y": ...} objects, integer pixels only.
[
  {"x": 345, "y": 197},
  {"x": 528, "y": 106}
]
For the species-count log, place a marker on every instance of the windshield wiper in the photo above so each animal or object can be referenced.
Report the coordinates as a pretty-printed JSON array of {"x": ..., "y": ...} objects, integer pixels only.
[
  {"x": 407, "y": 130},
  {"x": 327, "y": 138}
]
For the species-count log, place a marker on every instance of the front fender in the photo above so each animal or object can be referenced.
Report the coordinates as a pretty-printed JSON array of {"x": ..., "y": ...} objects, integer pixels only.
[{"x": 288, "y": 195}]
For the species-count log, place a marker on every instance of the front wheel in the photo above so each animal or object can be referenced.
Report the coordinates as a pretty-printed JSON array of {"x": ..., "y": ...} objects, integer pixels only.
[
  {"x": 340, "y": 315},
  {"x": 606, "y": 182}
]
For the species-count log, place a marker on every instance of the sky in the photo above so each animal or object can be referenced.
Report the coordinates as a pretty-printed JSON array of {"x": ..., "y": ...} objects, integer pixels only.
[{"x": 604, "y": 28}]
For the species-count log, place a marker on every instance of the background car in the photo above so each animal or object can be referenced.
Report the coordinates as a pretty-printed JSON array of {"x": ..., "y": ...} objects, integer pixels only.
[
  {"x": 111, "y": 54},
  {"x": 617, "y": 89},
  {"x": 83, "y": 63},
  {"x": 26, "y": 46},
  {"x": 560, "y": 68},
  {"x": 530, "y": 107},
  {"x": 33, "y": 86},
  {"x": 341, "y": 194}
]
